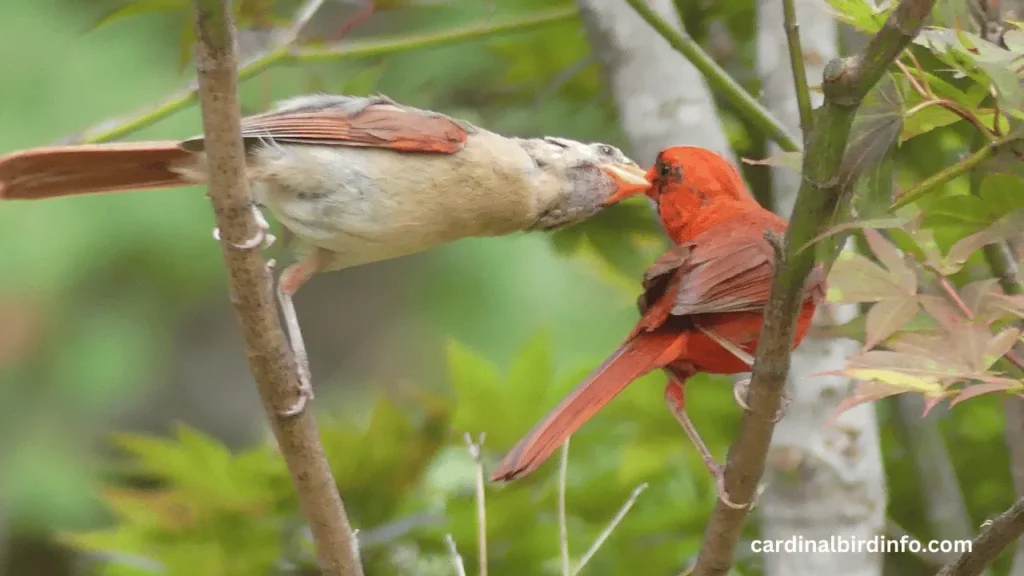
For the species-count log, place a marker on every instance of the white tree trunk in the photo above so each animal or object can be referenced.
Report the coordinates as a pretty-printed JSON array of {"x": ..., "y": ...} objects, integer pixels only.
[
  {"x": 662, "y": 99},
  {"x": 820, "y": 481}
]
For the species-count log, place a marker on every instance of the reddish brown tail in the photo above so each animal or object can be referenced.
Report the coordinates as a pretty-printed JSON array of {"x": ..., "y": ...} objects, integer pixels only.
[
  {"x": 90, "y": 168},
  {"x": 646, "y": 352}
]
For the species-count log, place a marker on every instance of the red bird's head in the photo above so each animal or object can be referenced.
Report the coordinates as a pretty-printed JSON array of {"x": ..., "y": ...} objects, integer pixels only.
[
  {"x": 694, "y": 188},
  {"x": 685, "y": 174}
]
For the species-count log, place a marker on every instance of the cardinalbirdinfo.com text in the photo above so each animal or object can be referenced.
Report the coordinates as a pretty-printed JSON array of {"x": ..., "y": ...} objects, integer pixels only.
[{"x": 835, "y": 543}]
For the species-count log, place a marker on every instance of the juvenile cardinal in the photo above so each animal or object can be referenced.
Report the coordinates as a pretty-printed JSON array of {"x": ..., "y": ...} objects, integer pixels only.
[
  {"x": 702, "y": 305},
  {"x": 358, "y": 180}
]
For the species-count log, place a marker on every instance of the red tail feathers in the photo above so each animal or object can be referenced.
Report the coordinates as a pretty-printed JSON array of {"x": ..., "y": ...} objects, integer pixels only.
[
  {"x": 91, "y": 168},
  {"x": 648, "y": 351}
]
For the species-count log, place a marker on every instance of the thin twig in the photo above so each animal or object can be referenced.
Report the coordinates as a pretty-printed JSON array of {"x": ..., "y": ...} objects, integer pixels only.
[
  {"x": 303, "y": 15},
  {"x": 951, "y": 172},
  {"x": 718, "y": 78},
  {"x": 282, "y": 54},
  {"x": 610, "y": 528},
  {"x": 796, "y": 61},
  {"x": 270, "y": 360},
  {"x": 453, "y": 552},
  {"x": 476, "y": 452},
  {"x": 563, "y": 518},
  {"x": 993, "y": 539}
]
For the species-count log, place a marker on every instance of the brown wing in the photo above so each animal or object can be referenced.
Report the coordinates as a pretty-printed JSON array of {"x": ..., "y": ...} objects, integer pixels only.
[
  {"x": 712, "y": 275},
  {"x": 379, "y": 123}
]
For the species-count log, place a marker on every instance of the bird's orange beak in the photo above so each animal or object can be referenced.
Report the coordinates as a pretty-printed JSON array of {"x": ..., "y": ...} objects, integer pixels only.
[{"x": 631, "y": 180}]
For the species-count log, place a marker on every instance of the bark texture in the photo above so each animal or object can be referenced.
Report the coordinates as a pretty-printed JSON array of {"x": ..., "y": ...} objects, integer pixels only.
[{"x": 820, "y": 481}]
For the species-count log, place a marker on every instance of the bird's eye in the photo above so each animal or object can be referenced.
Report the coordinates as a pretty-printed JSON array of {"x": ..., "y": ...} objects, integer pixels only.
[
  {"x": 606, "y": 150},
  {"x": 664, "y": 169}
]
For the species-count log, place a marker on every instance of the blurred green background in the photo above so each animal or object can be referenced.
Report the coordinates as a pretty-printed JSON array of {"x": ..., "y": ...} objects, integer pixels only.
[{"x": 114, "y": 318}]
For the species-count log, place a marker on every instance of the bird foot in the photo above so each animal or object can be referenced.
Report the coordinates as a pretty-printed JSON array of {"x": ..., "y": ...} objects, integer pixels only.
[
  {"x": 261, "y": 237},
  {"x": 739, "y": 393},
  {"x": 718, "y": 471},
  {"x": 674, "y": 398},
  {"x": 298, "y": 345}
]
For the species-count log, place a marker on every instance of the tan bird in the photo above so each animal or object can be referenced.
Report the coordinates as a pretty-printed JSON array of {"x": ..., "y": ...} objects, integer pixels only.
[{"x": 358, "y": 180}]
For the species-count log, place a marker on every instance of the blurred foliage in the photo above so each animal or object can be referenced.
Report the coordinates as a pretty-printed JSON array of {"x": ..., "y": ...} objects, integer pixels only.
[
  {"x": 88, "y": 319},
  {"x": 407, "y": 482}
]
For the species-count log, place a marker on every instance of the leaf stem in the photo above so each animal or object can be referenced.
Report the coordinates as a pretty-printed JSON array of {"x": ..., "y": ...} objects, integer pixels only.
[{"x": 719, "y": 79}]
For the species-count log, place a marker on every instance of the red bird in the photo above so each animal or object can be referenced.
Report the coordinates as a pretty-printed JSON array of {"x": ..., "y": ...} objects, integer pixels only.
[{"x": 702, "y": 306}]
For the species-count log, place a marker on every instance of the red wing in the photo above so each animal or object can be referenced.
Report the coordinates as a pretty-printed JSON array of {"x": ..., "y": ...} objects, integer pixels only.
[
  {"x": 666, "y": 263},
  {"x": 725, "y": 275},
  {"x": 378, "y": 125},
  {"x": 718, "y": 274}
]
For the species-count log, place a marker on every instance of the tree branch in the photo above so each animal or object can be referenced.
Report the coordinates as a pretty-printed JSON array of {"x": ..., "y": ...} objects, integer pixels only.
[
  {"x": 718, "y": 78},
  {"x": 951, "y": 172},
  {"x": 845, "y": 84},
  {"x": 270, "y": 360},
  {"x": 287, "y": 53},
  {"x": 796, "y": 61},
  {"x": 992, "y": 540}
]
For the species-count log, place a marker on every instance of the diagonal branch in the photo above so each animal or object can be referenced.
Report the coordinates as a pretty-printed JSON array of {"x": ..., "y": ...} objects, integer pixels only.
[
  {"x": 846, "y": 83},
  {"x": 950, "y": 172},
  {"x": 994, "y": 538},
  {"x": 718, "y": 78},
  {"x": 272, "y": 364},
  {"x": 286, "y": 52}
]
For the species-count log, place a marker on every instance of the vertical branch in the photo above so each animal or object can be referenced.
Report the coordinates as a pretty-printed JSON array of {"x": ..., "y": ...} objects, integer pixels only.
[
  {"x": 270, "y": 360},
  {"x": 845, "y": 84},
  {"x": 476, "y": 453},
  {"x": 796, "y": 62},
  {"x": 563, "y": 515},
  {"x": 820, "y": 480}
]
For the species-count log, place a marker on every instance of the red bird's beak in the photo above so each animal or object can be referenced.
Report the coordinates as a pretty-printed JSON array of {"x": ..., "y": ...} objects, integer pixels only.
[{"x": 631, "y": 180}]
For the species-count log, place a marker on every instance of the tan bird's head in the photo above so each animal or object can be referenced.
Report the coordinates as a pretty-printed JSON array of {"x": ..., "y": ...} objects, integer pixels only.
[{"x": 576, "y": 179}]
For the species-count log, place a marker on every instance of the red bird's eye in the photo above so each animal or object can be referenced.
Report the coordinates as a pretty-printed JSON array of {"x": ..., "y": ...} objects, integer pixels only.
[{"x": 664, "y": 170}]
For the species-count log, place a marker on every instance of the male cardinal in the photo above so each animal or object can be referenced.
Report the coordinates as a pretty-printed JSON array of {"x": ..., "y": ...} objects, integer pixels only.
[
  {"x": 358, "y": 180},
  {"x": 702, "y": 306}
]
